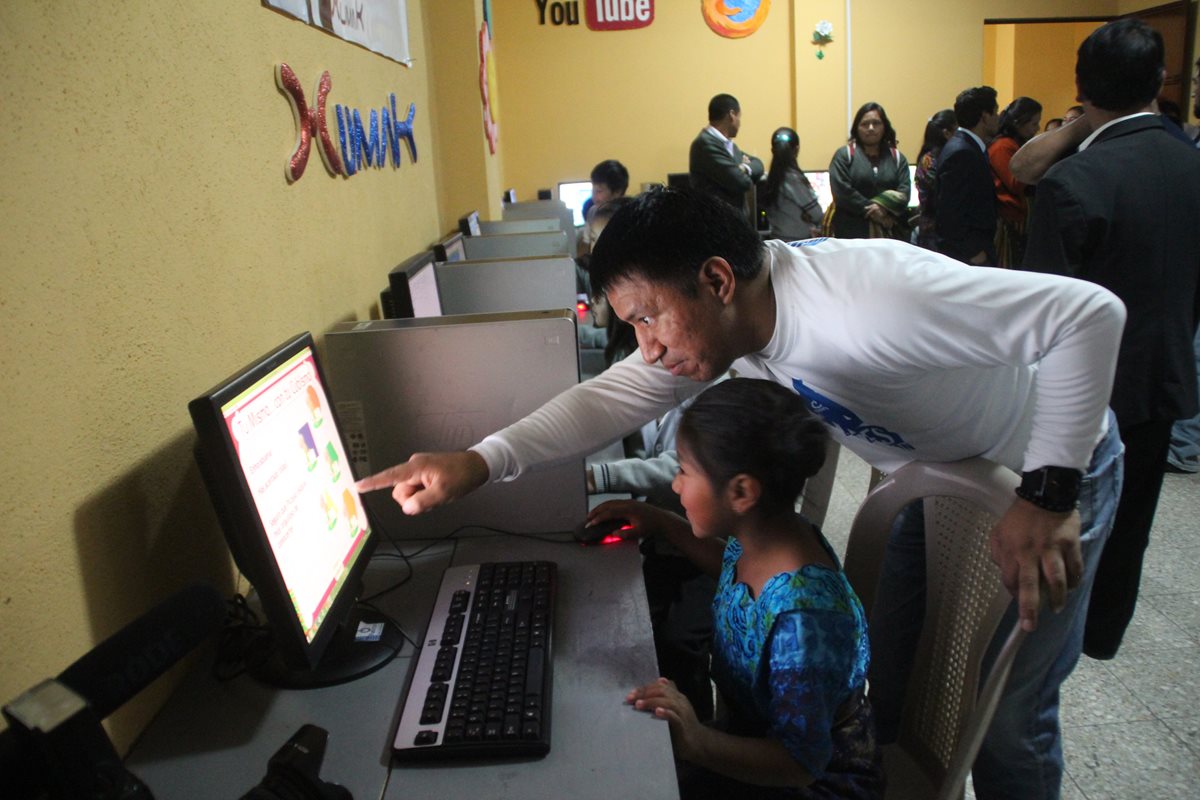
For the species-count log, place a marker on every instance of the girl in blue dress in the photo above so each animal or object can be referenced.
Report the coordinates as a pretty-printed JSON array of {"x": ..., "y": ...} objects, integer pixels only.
[{"x": 790, "y": 650}]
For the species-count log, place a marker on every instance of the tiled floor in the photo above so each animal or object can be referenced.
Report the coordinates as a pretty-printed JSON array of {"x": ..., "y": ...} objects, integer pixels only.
[{"x": 1131, "y": 726}]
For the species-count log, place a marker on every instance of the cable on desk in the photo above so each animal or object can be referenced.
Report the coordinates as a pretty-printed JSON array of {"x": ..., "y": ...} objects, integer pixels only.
[
  {"x": 244, "y": 642},
  {"x": 451, "y": 537}
]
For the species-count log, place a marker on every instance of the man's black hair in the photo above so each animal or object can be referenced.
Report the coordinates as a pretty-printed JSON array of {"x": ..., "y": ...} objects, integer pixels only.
[
  {"x": 611, "y": 173},
  {"x": 720, "y": 106},
  {"x": 665, "y": 235},
  {"x": 1119, "y": 67},
  {"x": 971, "y": 104}
]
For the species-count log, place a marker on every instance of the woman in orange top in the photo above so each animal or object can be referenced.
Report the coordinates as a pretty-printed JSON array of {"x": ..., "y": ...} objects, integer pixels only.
[{"x": 1019, "y": 123}]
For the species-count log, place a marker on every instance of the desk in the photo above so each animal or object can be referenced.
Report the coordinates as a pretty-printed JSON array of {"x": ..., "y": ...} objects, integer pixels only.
[{"x": 213, "y": 740}]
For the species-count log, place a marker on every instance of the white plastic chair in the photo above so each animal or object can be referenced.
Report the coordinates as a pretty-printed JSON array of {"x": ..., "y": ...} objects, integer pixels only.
[{"x": 944, "y": 718}]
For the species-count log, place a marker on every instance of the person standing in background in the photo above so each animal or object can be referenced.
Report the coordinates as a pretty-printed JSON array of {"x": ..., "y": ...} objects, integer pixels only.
[
  {"x": 868, "y": 177},
  {"x": 788, "y": 198},
  {"x": 715, "y": 164},
  {"x": 1018, "y": 124},
  {"x": 966, "y": 201},
  {"x": 938, "y": 130},
  {"x": 1122, "y": 212}
]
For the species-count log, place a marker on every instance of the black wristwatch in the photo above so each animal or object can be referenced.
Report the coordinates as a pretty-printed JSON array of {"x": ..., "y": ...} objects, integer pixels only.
[{"x": 1051, "y": 488}]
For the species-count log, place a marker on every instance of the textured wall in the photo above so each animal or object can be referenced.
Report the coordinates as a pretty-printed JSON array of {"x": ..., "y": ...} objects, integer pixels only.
[{"x": 150, "y": 246}]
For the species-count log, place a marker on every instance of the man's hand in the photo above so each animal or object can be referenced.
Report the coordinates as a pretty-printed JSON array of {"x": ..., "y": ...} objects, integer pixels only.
[
  {"x": 1043, "y": 151},
  {"x": 1029, "y": 544},
  {"x": 428, "y": 480}
]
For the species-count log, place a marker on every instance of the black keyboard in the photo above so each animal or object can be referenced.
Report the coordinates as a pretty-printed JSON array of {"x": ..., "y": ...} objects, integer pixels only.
[{"x": 481, "y": 684}]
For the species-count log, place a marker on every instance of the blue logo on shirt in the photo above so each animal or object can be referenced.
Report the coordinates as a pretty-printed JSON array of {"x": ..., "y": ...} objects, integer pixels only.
[
  {"x": 808, "y": 242},
  {"x": 851, "y": 424}
]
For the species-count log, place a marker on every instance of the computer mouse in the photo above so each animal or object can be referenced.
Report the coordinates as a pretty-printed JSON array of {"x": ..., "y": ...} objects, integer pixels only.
[{"x": 602, "y": 532}]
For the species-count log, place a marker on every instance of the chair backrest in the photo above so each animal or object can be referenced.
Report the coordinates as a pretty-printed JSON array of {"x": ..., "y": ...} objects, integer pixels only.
[{"x": 944, "y": 717}]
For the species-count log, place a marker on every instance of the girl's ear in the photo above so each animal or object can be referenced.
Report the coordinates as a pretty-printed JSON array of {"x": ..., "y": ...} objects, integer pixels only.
[{"x": 742, "y": 493}]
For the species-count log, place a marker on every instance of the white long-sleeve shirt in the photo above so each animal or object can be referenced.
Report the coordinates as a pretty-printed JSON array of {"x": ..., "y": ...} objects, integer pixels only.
[{"x": 907, "y": 355}]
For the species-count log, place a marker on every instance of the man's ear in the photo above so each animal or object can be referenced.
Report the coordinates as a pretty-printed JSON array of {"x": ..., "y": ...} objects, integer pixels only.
[
  {"x": 743, "y": 492},
  {"x": 716, "y": 279}
]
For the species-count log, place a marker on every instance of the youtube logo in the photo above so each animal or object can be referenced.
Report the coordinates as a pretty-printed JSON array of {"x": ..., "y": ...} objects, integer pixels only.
[{"x": 618, "y": 15}]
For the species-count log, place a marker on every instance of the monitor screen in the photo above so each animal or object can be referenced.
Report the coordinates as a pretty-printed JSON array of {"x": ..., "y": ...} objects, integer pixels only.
[
  {"x": 277, "y": 470},
  {"x": 400, "y": 281},
  {"x": 469, "y": 224},
  {"x": 819, "y": 178},
  {"x": 423, "y": 288},
  {"x": 574, "y": 194},
  {"x": 450, "y": 249}
]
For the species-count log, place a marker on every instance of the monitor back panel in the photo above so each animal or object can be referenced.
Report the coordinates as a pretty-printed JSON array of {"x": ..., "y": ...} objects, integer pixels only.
[
  {"x": 496, "y": 285},
  {"x": 538, "y": 209},
  {"x": 516, "y": 245},
  {"x": 420, "y": 385},
  {"x": 493, "y": 227}
]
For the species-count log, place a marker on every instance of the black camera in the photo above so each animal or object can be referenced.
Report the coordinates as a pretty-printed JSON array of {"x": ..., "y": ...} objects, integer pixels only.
[{"x": 293, "y": 773}]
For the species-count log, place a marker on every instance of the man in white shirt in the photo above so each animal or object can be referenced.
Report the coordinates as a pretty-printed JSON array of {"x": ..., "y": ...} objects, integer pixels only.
[{"x": 906, "y": 356}]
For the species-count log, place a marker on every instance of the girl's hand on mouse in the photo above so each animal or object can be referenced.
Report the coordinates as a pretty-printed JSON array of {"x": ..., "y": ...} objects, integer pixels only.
[
  {"x": 665, "y": 701},
  {"x": 643, "y": 519}
]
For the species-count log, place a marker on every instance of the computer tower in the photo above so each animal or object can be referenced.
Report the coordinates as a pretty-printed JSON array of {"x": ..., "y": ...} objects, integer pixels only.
[
  {"x": 496, "y": 285},
  {"x": 444, "y": 383}
]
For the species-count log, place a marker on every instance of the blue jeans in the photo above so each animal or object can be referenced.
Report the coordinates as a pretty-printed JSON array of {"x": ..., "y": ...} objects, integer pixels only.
[
  {"x": 1185, "y": 435},
  {"x": 1021, "y": 756}
]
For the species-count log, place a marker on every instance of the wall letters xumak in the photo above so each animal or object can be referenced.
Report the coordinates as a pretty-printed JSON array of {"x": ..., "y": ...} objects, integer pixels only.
[{"x": 359, "y": 144}]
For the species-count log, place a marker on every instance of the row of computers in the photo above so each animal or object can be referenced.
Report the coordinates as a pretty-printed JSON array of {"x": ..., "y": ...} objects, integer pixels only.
[
  {"x": 522, "y": 262},
  {"x": 478, "y": 338}
]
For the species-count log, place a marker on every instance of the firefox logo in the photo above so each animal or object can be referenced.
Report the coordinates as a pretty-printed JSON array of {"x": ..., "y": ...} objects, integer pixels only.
[{"x": 735, "y": 19}]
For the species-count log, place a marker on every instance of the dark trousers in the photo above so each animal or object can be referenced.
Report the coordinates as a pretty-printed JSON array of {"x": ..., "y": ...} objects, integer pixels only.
[
  {"x": 680, "y": 597},
  {"x": 1114, "y": 595}
]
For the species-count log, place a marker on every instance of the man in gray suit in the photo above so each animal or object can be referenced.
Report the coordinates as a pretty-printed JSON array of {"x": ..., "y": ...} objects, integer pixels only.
[{"x": 715, "y": 164}]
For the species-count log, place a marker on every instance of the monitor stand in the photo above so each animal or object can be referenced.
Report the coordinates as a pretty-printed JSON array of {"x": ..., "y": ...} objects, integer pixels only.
[{"x": 346, "y": 658}]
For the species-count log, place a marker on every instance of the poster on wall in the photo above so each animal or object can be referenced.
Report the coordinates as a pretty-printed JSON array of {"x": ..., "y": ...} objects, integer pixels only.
[{"x": 381, "y": 26}]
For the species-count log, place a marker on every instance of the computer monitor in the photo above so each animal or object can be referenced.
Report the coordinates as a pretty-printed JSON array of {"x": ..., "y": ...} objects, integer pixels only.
[
  {"x": 277, "y": 471},
  {"x": 450, "y": 249},
  {"x": 575, "y": 194},
  {"x": 819, "y": 178},
  {"x": 413, "y": 287},
  {"x": 468, "y": 225},
  {"x": 679, "y": 180}
]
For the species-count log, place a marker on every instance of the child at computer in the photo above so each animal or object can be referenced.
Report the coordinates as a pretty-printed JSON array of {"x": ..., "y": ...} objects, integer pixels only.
[{"x": 790, "y": 650}]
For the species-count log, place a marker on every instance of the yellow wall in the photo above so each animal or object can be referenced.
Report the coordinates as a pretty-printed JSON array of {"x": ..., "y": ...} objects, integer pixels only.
[
  {"x": 468, "y": 174},
  {"x": 1035, "y": 60},
  {"x": 574, "y": 97},
  {"x": 150, "y": 245}
]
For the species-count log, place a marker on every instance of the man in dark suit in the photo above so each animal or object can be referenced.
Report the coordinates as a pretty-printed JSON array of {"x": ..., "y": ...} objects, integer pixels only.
[
  {"x": 715, "y": 164},
  {"x": 1124, "y": 212},
  {"x": 965, "y": 221}
]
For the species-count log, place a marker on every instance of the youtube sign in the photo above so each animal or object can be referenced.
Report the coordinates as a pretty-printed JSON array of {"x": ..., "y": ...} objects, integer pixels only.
[{"x": 618, "y": 15}]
